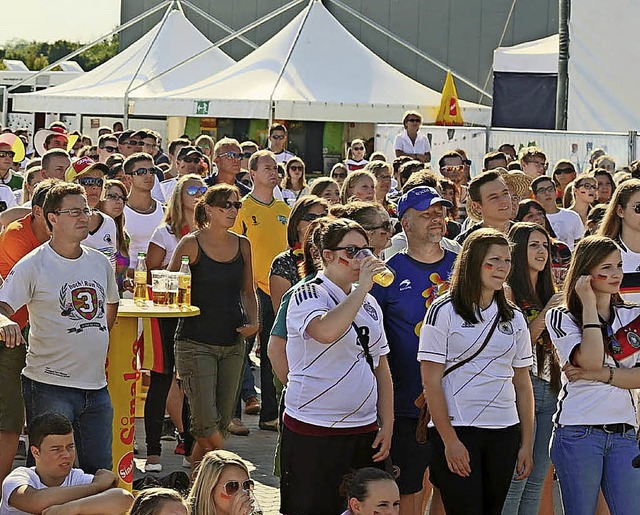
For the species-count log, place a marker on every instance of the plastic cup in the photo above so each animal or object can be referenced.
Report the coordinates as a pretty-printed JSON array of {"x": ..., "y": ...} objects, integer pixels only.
[
  {"x": 159, "y": 287},
  {"x": 384, "y": 278}
]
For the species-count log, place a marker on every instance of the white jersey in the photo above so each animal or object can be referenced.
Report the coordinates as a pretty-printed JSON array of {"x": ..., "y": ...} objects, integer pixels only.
[
  {"x": 630, "y": 287},
  {"x": 140, "y": 228},
  {"x": 67, "y": 302},
  {"x": 157, "y": 193},
  {"x": 23, "y": 476},
  {"x": 104, "y": 239},
  {"x": 166, "y": 241},
  {"x": 567, "y": 225},
  {"x": 331, "y": 385},
  {"x": 7, "y": 198},
  {"x": 167, "y": 186},
  {"x": 590, "y": 402},
  {"x": 284, "y": 156},
  {"x": 479, "y": 393},
  {"x": 403, "y": 142}
]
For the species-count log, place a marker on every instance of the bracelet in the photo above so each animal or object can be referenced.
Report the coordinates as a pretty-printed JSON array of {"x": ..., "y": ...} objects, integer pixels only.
[
  {"x": 591, "y": 326},
  {"x": 611, "y": 369}
]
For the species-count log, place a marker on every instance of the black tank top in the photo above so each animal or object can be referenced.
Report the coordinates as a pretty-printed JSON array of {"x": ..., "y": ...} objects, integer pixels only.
[{"x": 215, "y": 289}]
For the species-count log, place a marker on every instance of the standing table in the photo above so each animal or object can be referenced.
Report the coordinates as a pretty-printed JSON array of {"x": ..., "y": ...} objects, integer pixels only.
[{"x": 123, "y": 374}]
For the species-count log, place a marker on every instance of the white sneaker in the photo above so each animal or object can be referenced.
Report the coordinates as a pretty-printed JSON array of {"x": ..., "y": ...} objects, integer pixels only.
[{"x": 153, "y": 467}]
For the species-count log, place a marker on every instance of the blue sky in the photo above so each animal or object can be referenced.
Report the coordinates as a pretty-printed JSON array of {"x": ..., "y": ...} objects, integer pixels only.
[{"x": 48, "y": 20}]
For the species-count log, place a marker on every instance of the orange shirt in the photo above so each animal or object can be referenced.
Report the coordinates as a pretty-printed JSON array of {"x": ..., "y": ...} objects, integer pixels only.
[{"x": 16, "y": 241}]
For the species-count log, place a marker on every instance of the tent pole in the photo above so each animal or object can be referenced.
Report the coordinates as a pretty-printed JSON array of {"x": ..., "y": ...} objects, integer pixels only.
[
  {"x": 226, "y": 39},
  {"x": 117, "y": 30},
  {"x": 165, "y": 16},
  {"x": 563, "y": 66},
  {"x": 411, "y": 47},
  {"x": 5, "y": 106},
  {"x": 216, "y": 22}
]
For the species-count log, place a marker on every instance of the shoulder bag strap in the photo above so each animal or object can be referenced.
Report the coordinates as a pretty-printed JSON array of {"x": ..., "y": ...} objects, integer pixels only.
[{"x": 476, "y": 353}]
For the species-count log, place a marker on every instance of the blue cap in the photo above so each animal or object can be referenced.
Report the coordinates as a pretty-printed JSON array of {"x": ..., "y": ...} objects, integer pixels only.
[{"x": 421, "y": 198}]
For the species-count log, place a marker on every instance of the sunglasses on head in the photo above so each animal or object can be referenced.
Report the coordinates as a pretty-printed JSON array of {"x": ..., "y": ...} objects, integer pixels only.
[
  {"x": 7, "y": 153},
  {"x": 91, "y": 181},
  {"x": 561, "y": 171},
  {"x": 232, "y": 155},
  {"x": 233, "y": 487},
  {"x": 310, "y": 217},
  {"x": 194, "y": 190},
  {"x": 351, "y": 250},
  {"x": 385, "y": 226},
  {"x": 191, "y": 159},
  {"x": 227, "y": 204},
  {"x": 140, "y": 171},
  {"x": 110, "y": 149}
]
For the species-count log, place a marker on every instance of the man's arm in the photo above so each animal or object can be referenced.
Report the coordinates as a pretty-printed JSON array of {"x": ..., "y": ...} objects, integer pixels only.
[
  {"x": 10, "y": 332},
  {"x": 114, "y": 501},
  {"x": 112, "y": 313}
]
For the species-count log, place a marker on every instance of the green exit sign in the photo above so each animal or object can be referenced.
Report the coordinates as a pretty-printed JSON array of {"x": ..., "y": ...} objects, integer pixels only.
[{"x": 202, "y": 107}]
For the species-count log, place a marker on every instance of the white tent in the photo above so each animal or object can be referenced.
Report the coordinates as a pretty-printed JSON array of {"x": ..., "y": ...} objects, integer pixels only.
[
  {"x": 102, "y": 90},
  {"x": 313, "y": 69},
  {"x": 539, "y": 56}
]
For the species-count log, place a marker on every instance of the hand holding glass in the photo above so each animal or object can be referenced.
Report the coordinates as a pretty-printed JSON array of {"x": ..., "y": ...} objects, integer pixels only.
[{"x": 384, "y": 278}]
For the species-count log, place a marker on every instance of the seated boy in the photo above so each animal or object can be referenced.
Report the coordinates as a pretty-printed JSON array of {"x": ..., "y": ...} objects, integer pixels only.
[{"x": 53, "y": 486}]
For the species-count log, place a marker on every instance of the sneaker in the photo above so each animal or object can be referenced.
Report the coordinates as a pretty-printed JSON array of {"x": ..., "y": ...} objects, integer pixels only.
[
  {"x": 21, "y": 453},
  {"x": 252, "y": 406},
  {"x": 179, "y": 449},
  {"x": 153, "y": 467},
  {"x": 271, "y": 425},
  {"x": 236, "y": 427},
  {"x": 168, "y": 430}
]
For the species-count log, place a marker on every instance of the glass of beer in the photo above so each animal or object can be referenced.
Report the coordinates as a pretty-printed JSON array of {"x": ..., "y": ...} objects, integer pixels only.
[
  {"x": 172, "y": 288},
  {"x": 384, "y": 278},
  {"x": 159, "y": 288}
]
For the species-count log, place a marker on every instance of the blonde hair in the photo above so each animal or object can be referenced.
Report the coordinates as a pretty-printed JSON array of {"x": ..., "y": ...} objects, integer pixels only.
[
  {"x": 349, "y": 183},
  {"x": 200, "y": 500},
  {"x": 174, "y": 216}
]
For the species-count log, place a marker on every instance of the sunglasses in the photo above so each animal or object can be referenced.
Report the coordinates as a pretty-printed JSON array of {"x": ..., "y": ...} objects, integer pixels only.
[
  {"x": 567, "y": 171},
  {"x": 587, "y": 186},
  {"x": 339, "y": 175},
  {"x": 310, "y": 217},
  {"x": 246, "y": 155},
  {"x": 191, "y": 159},
  {"x": 110, "y": 149},
  {"x": 134, "y": 143},
  {"x": 75, "y": 212},
  {"x": 385, "y": 226},
  {"x": 452, "y": 168},
  {"x": 351, "y": 250},
  {"x": 115, "y": 198},
  {"x": 88, "y": 182},
  {"x": 227, "y": 204},
  {"x": 232, "y": 155},
  {"x": 7, "y": 153},
  {"x": 278, "y": 136},
  {"x": 549, "y": 189},
  {"x": 296, "y": 168},
  {"x": 141, "y": 171},
  {"x": 194, "y": 190},
  {"x": 233, "y": 487},
  {"x": 357, "y": 148},
  {"x": 413, "y": 120}
]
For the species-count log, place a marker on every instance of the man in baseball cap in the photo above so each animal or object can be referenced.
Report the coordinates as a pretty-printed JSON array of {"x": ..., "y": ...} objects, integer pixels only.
[
  {"x": 188, "y": 160},
  {"x": 421, "y": 199}
]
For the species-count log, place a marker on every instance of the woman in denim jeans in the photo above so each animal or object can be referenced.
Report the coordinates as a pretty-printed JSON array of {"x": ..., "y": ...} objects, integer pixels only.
[
  {"x": 596, "y": 336},
  {"x": 531, "y": 288}
]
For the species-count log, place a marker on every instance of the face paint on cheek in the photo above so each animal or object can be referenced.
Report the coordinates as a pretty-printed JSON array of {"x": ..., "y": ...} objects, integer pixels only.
[
  {"x": 343, "y": 261},
  {"x": 488, "y": 266},
  {"x": 601, "y": 277},
  {"x": 224, "y": 496}
]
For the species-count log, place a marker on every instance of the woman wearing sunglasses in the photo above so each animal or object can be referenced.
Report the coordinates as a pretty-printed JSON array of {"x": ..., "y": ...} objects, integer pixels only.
[
  {"x": 338, "y": 404},
  {"x": 210, "y": 348},
  {"x": 339, "y": 173},
  {"x": 373, "y": 218},
  {"x": 409, "y": 142},
  {"x": 597, "y": 339},
  {"x": 294, "y": 183},
  {"x": 583, "y": 191},
  {"x": 355, "y": 156},
  {"x": 621, "y": 223},
  {"x": 222, "y": 486},
  {"x": 563, "y": 174},
  {"x": 178, "y": 221}
]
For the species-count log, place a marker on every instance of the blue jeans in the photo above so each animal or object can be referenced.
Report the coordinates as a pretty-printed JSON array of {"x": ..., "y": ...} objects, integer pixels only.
[
  {"x": 89, "y": 411},
  {"x": 524, "y": 496},
  {"x": 587, "y": 459}
]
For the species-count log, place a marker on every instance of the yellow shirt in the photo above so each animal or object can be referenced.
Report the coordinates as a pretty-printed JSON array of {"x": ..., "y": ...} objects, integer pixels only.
[{"x": 266, "y": 227}]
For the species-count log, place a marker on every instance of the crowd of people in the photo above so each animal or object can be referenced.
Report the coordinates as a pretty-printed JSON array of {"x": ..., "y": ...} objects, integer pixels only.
[{"x": 425, "y": 338}]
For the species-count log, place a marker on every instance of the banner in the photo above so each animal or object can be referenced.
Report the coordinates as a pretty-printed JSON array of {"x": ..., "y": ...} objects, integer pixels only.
[{"x": 449, "y": 113}]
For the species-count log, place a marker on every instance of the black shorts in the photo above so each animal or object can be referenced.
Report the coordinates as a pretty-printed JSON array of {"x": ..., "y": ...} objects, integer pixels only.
[
  {"x": 411, "y": 457},
  {"x": 312, "y": 469}
]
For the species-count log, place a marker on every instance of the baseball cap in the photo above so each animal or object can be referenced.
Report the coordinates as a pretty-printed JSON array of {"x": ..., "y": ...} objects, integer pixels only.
[
  {"x": 187, "y": 151},
  {"x": 83, "y": 165},
  {"x": 125, "y": 136},
  {"x": 420, "y": 198}
]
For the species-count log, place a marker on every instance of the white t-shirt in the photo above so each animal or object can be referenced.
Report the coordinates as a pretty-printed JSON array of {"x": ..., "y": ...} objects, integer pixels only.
[
  {"x": 479, "y": 393},
  {"x": 567, "y": 225},
  {"x": 283, "y": 156},
  {"x": 403, "y": 142},
  {"x": 331, "y": 385},
  {"x": 591, "y": 402},
  {"x": 104, "y": 239},
  {"x": 67, "y": 302},
  {"x": 157, "y": 192},
  {"x": 140, "y": 228},
  {"x": 28, "y": 476},
  {"x": 630, "y": 287},
  {"x": 167, "y": 186},
  {"x": 165, "y": 240},
  {"x": 7, "y": 198},
  {"x": 290, "y": 196}
]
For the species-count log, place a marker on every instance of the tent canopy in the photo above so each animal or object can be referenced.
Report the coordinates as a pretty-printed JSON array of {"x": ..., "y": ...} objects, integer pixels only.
[
  {"x": 539, "y": 56},
  {"x": 102, "y": 90},
  {"x": 313, "y": 69}
]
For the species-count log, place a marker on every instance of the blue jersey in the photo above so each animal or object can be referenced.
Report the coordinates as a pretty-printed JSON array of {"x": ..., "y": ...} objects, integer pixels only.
[{"x": 404, "y": 304}]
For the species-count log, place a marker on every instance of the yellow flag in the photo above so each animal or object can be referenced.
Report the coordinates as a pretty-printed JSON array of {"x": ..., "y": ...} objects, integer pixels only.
[{"x": 449, "y": 113}]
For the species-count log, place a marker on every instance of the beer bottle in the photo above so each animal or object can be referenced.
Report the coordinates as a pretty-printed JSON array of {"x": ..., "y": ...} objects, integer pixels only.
[
  {"x": 184, "y": 284},
  {"x": 140, "y": 294}
]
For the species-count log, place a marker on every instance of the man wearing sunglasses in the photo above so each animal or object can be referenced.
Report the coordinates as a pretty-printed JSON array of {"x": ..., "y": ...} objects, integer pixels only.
[
  {"x": 72, "y": 298},
  {"x": 263, "y": 219},
  {"x": 188, "y": 161},
  {"x": 227, "y": 156},
  {"x": 566, "y": 223},
  {"x": 128, "y": 143},
  {"x": 278, "y": 135},
  {"x": 107, "y": 146}
]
